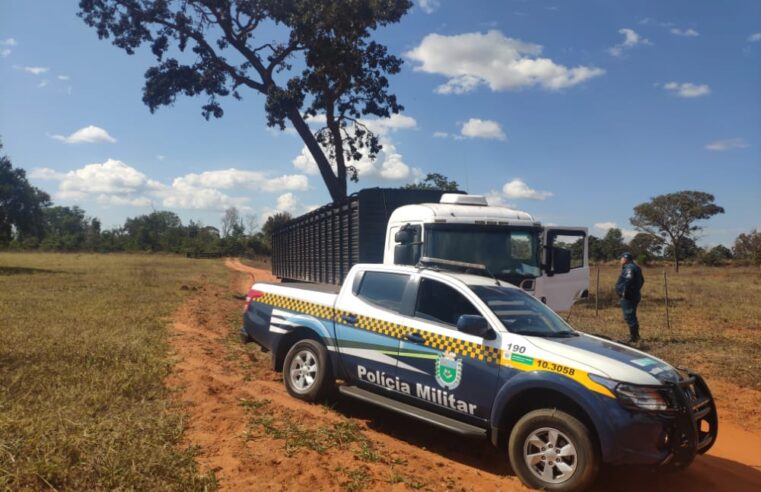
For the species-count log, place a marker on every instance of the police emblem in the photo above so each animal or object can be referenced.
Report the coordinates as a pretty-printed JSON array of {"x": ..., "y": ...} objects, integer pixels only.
[{"x": 448, "y": 370}]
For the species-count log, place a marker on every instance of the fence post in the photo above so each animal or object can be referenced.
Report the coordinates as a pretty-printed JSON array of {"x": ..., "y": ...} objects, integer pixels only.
[
  {"x": 666, "y": 298},
  {"x": 597, "y": 292}
]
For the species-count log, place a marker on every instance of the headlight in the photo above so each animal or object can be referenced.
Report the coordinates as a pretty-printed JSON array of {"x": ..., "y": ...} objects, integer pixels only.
[
  {"x": 641, "y": 397},
  {"x": 635, "y": 397}
]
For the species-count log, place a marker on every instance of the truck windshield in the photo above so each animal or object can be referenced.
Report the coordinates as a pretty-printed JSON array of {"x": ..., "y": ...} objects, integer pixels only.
[
  {"x": 522, "y": 313},
  {"x": 506, "y": 252}
]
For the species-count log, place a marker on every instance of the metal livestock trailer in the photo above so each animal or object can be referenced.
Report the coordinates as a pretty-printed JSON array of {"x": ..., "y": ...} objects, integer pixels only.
[{"x": 322, "y": 245}]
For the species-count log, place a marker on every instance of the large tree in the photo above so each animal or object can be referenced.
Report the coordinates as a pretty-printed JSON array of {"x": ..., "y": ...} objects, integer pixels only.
[
  {"x": 324, "y": 64},
  {"x": 673, "y": 217},
  {"x": 645, "y": 245},
  {"x": 748, "y": 246},
  {"x": 21, "y": 204}
]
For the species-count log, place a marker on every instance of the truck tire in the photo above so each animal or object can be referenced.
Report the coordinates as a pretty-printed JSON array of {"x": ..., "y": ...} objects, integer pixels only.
[
  {"x": 307, "y": 372},
  {"x": 552, "y": 450}
]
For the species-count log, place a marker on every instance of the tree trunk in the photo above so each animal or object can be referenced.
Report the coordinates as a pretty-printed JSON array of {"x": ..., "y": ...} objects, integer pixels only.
[
  {"x": 336, "y": 189},
  {"x": 676, "y": 255}
]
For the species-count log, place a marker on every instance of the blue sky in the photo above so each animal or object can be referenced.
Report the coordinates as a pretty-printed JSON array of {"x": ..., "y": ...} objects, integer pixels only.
[{"x": 574, "y": 111}]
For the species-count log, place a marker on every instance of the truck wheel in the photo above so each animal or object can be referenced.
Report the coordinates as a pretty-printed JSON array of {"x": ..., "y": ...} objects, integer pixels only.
[
  {"x": 307, "y": 371},
  {"x": 552, "y": 450}
]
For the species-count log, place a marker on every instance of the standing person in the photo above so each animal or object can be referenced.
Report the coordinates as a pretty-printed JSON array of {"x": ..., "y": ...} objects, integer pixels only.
[{"x": 628, "y": 289}]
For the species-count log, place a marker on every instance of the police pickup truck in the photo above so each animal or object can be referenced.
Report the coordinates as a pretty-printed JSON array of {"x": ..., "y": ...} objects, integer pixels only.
[{"x": 447, "y": 344}]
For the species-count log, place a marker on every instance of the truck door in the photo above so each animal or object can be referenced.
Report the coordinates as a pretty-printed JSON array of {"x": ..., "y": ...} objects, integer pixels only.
[
  {"x": 451, "y": 371},
  {"x": 561, "y": 290},
  {"x": 365, "y": 321}
]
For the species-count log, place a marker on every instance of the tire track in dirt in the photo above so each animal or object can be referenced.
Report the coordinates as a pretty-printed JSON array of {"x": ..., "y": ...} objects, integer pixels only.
[{"x": 214, "y": 374}]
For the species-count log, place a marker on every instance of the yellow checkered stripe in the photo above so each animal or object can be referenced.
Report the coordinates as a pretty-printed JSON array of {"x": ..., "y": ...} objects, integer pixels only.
[
  {"x": 476, "y": 351},
  {"x": 291, "y": 304},
  {"x": 491, "y": 355}
]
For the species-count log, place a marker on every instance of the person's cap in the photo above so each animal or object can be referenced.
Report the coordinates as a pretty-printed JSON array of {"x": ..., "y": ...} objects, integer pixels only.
[{"x": 627, "y": 256}]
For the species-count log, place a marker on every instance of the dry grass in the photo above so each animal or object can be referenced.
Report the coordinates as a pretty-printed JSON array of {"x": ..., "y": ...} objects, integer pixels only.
[
  {"x": 83, "y": 358},
  {"x": 715, "y": 315}
]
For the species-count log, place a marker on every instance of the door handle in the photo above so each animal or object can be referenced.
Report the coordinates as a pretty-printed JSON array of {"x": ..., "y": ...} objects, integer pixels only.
[
  {"x": 349, "y": 319},
  {"x": 414, "y": 337}
]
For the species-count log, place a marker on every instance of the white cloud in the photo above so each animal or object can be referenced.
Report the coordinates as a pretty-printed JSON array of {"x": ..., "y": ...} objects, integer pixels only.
[
  {"x": 497, "y": 199},
  {"x": 32, "y": 70},
  {"x": 755, "y": 37},
  {"x": 236, "y": 178},
  {"x": 286, "y": 182},
  {"x": 182, "y": 195},
  {"x": 478, "y": 128},
  {"x": 140, "y": 201},
  {"x": 502, "y": 63},
  {"x": 603, "y": 227},
  {"x": 440, "y": 134},
  {"x": 160, "y": 157},
  {"x": 42, "y": 84},
  {"x": 687, "y": 89},
  {"x": 428, "y": 6},
  {"x": 115, "y": 183},
  {"x": 631, "y": 39},
  {"x": 687, "y": 33},
  {"x": 518, "y": 189},
  {"x": 63, "y": 77},
  {"x": 5, "y": 47},
  {"x": 88, "y": 134},
  {"x": 112, "y": 177},
  {"x": 45, "y": 173},
  {"x": 382, "y": 126},
  {"x": 287, "y": 202},
  {"x": 649, "y": 21},
  {"x": 727, "y": 144}
]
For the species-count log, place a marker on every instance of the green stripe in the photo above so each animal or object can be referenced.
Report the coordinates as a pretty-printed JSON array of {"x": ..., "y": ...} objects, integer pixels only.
[{"x": 522, "y": 359}]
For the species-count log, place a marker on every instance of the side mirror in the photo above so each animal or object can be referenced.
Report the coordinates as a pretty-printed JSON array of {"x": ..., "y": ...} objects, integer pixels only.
[
  {"x": 403, "y": 236},
  {"x": 403, "y": 254},
  {"x": 474, "y": 324},
  {"x": 561, "y": 260},
  {"x": 407, "y": 252}
]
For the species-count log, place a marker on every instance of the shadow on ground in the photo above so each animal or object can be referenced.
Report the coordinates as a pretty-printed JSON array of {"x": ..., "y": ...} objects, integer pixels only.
[
  {"x": 11, "y": 270},
  {"x": 707, "y": 473}
]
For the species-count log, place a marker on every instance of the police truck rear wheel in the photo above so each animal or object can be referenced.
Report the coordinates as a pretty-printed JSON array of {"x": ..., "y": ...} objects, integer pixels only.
[
  {"x": 551, "y": 450},
  {"x": 306, "y": 371}
]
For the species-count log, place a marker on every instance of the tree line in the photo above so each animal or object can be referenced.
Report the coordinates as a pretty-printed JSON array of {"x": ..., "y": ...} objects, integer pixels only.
[
  {"x": 29, "y": 221},
  {"x": 647, "y": 248}
]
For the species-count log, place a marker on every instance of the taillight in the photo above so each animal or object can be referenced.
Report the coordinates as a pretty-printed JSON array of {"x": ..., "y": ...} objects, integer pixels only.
[{"x": 252, "y": 294}]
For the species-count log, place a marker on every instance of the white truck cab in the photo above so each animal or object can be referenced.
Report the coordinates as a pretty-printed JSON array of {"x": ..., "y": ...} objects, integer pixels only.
[{"x": 551, "y": 263}]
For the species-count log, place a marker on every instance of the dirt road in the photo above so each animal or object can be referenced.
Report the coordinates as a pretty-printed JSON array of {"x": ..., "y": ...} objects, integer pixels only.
[{"x": 254, "y": 436}]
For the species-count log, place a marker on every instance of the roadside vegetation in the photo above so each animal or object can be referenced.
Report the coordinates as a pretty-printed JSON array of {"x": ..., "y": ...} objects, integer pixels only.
[{"x": 83, "y": 358}]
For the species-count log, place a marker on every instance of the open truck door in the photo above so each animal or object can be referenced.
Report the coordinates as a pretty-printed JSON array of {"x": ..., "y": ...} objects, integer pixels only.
[{"x": 565, "y": 267}]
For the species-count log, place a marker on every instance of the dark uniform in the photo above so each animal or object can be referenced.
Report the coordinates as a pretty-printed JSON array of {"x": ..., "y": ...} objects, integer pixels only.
[{"x": 628, "y": 289}]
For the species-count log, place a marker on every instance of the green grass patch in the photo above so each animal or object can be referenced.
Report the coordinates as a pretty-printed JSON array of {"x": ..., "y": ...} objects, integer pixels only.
[
  {"x": 83, "y": 359},
  {"x": 320, "y": 439}
]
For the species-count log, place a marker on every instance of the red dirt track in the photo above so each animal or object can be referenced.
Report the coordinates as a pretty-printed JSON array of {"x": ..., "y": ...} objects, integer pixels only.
[{"x": 213, "y": 375}]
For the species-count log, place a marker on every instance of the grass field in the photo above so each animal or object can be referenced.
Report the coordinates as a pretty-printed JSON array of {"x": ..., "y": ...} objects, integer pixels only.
[
  {"x": 715, "y": 317},
  {"x": 83, "y": 358}
]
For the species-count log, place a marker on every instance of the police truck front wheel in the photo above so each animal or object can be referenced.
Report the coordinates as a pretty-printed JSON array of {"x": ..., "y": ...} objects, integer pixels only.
[
  {"x": 551, "y": 450},
  {"x": 307, "y": 371}
]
